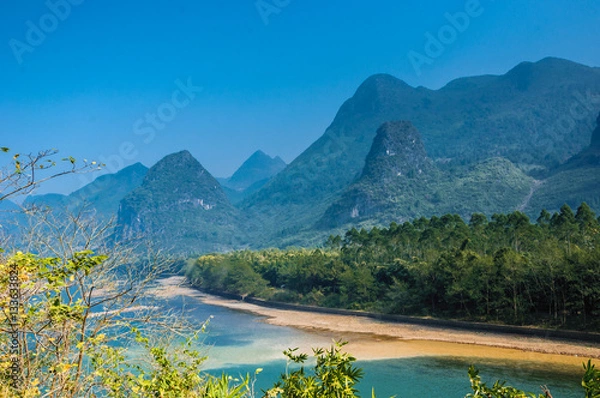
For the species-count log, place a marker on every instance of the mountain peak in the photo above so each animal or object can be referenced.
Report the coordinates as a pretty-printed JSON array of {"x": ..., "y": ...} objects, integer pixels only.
[
  {"x": 258, "y": 167},
  {"x": 381, "y": 93},
  {"x": 106, "y": 191},
  {"x": 187, "y": 170},
  {"x": 379, "y": 78},
  {"x": 174, "y": 165},
  {"x": 543, "y": 73},
  {"x": 397, "y": 150},
  {"x": 472, "y": 119},
  {"x": 396, "y": 164},
  {"x": 380, "y": 82},
  {"x": 259, "y": 156},
  {"x": 184, "y": 155},
  {"x": 180, "y": 204},
  {"x": 136, "y": 167},
  {"x": 556, "y": 61},
  {"x": 546, "y": 63}
]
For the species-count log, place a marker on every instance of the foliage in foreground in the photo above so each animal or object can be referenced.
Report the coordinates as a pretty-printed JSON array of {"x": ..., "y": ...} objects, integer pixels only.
[
  {"x": 590, "y": 384},
  {"x": 65, "y": 350},
  {"x": 62, "y": 346},
  {"x": 334, "y": 376}
]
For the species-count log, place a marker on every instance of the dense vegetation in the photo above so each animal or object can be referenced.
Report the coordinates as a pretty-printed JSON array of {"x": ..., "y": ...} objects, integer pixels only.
[
  {"x": 64, "y": 331},
  {"x": 568, "y": 186},
  {"x": 506, "y": 269}
]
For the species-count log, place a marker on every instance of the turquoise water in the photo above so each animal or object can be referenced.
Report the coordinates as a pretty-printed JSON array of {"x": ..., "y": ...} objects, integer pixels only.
[
  {"x": 239, "y": 343},
  {"x": 437, "y": 377}
]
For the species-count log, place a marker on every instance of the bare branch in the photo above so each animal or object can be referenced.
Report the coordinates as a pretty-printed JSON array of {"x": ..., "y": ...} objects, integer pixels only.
[{"x": 25, "y": 172}]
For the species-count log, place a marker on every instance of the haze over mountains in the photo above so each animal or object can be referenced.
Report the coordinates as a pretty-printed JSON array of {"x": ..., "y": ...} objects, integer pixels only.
[
  {"x": 520, "y": 141},
  {"x": 102, "y": 196},
  {"x": 252, "y": 175}
]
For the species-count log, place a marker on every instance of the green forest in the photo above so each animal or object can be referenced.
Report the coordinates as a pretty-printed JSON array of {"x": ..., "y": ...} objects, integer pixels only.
[{"x": 507, "y": 269}]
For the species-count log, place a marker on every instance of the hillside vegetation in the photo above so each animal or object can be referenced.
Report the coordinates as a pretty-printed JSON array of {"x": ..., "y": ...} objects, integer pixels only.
[
  {"x": 524, "y": 116},
  {"x": 181, "y": 207}
]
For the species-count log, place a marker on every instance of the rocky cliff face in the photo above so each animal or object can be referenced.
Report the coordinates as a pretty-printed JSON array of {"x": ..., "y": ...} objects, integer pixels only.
[
  {"x": 397, "y": 150},
  {"x": 399, "y": 182},
  {"x": 397, "y": 163}
]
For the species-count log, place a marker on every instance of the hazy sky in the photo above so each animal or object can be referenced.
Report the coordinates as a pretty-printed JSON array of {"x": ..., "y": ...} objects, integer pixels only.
[{"x": 129, "y": 81}]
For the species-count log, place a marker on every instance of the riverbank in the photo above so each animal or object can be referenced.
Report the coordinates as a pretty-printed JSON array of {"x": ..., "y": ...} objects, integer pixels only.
[{"x": 370, "y": 339}]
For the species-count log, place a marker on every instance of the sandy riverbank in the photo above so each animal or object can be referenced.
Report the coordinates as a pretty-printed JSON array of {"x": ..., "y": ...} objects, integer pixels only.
[{"x": 372, "y": 339}]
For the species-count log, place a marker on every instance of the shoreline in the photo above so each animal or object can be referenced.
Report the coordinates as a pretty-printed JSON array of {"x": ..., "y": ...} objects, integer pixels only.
[{"x": 370, "y": 339}]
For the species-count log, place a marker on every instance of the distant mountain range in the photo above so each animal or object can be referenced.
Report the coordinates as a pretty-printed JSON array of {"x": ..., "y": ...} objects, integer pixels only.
[
  {"x": 252, "y": 175},
  {"x": 102, "y": 197},
  {"x": 526, "y": 140}
]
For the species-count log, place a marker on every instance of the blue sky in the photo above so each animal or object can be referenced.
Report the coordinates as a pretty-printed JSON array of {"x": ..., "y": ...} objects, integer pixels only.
[{"x": 270, "y": 81}]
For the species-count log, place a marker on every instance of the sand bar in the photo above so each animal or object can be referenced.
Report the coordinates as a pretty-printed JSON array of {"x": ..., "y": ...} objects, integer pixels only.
[{"x": 372, "y": 339}]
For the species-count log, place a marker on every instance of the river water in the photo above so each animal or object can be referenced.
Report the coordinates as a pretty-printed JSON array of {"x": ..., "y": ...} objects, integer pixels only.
[{"x": 238, "y": 343}]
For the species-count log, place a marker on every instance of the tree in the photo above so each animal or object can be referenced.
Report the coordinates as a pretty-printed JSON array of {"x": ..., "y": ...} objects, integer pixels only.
[
  {"x": 498, "y": 389},
  {"x": 27, "y": 171},
  {"x": 334, "y": 376},
  {"x": 564, "y": 225},
  {"x": 589, "y": 227},
  {"x": 477, "y": 221},
  {"x": 585, "y": 217},
  {"x": 544, "y": 218},
  {"x": 70, "y": 305},
  {"x": 512, "y": 266},
  {"x": 591, "y": 380},
  {"x": 520, "y": 228},
  {"x": 333, "y": 242}
]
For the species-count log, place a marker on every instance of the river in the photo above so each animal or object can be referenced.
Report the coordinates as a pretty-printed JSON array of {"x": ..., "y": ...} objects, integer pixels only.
[{"x": 238, "y": 343}]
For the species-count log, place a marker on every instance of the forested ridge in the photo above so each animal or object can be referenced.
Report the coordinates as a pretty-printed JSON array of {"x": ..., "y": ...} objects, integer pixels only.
[{"x": 507, "y": 269}]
